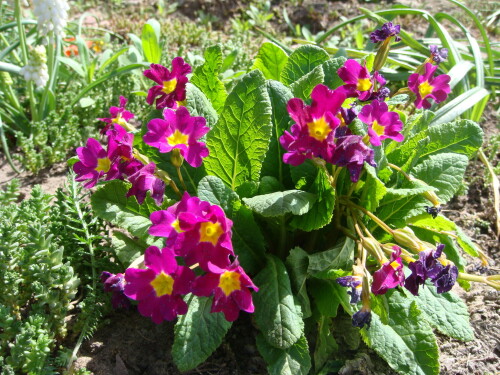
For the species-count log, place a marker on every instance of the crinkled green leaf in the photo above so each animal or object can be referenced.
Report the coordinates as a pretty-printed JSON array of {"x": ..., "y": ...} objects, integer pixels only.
[
  {"x": 407, "y": 342},
  {"x": 294, "y": 360},
  {"x": 240, "y": 139},
  {"x": 198, "y": 333},
  {"x": 341, "y": 256},
  {"x": 325, "y": 343},
  {"x": 373, "y": 191},
  {"x": 302, "y": 61},
  {"x": 206, "y": 77},
  {"x": 330, "y": 68},
  {"x": 398, "y": 99},
  {"x": 275, "y": 311},
  {"x": 269, "y": 184},
  {"x": 126, "y": 248},
  {"x": 297, "y": 202},
  {"x": 270, "y": 60},
  {"x": 213, "y": 190},
  {"x": 297, "y": 264},
  {"x": 303, "y": 87},
  {"x": 199, "y": 105},
  {"x": 325, "y": 297}
]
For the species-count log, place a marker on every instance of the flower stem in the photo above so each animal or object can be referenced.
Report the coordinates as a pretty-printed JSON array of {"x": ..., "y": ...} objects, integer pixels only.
[
  {"x": 493, "y": 280},
  {"x": 379, "y": 222}
]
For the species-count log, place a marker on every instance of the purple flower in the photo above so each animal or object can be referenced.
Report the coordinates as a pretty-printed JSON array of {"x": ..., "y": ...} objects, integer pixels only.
[
  {"x": 438, "y": 55},
  {"x": 428, "y": 266},
  {"x": 143, "y": 181},
  {"x": 355, "y": 283},
  {"x": 179, "y": 131},
  {"x": 313, "y": 133},
  {"x": 119, "y": 115},
  {"x": 159, "y": 287},
  {"x": 426, "y": 87},
  {"x": 115, "y": 284},
  {"x": 386, "y": 31},
  {"x": 382, "y": 124},
  {"x": 347, "y": 115},
  {"x": 390, "y": 275},
  {"x": 361, "y": 318},
  {"x": 171, "y": 86},
  {"x": 358, "y": 81},
  {"x": 352, "y": 153},
  {"x": 230, "y": 287},
  {"x": 94, "y": 163},
  {"x": 382, "y": 94}
]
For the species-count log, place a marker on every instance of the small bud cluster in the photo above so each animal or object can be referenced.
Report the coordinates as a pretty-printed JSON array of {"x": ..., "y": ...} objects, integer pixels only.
[{"x": 36, "y": 70}]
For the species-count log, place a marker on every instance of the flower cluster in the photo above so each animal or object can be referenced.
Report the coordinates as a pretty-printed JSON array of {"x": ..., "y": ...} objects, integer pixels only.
[
  {"x": 52, "y": 15},
  {"x": 36, "y": 70},
  {"x": 200, "y": 234}
]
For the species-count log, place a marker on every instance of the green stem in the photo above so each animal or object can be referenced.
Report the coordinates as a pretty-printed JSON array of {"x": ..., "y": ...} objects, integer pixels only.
[
  {"x": 379, "y": 222},
  {"x": 51, "y": 67},
  {"x": 6, "y": 148}
]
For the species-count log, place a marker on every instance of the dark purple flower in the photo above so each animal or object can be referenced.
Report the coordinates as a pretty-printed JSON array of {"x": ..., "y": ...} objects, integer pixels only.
[
  {"x": 347, "y": 115},
  {"x": 355, "y": 283},
  {"x": 390, "y": 275},
  {"x": 143, "y": 181},
  {"x": 438, "y": 55},
  {"x": 115, "y": 284},
  {"x": 386, "y": 31},
  {"x": 382, "y": 94},
  {"x": 352, "y": 153},
  {"x": 433, "y": 210},
  {"x": 427, "y": 87},
  {"x": 361, "y": 318}
]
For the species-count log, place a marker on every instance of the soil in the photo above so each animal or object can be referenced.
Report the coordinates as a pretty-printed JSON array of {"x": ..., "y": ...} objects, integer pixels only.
[{"x": 129, "y": 344}]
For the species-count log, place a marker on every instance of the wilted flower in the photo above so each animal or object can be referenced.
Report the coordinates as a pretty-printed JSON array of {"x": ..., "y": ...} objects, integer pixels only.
[
  {"x": 313, "y": 133},
  {"x": 144, "y": 180},
  {"x": 119, "y": 116},
  {"x": 433, "y": 210},
  {"x": 352, "y": 153},
  {"x": 179, "y": 131},
  {"x": 390, "y": 275},
  {"x": 382, "y": 124},
  {"x": 355, "y": 283},
  {"x": 428, "y": 266},
  {"x": 358, "y": 80},
  {"x": 362, "y": 317},
  {"x": 230, "y": 287},
  {"x": 52, "y": 15},
  {"x": 427, "y": 87},
  {"x": 386, "y": 31},
  {"x": 36, "y": 70},
  {"x": 171, "y": 86},
  {"x": 159, "y": 287},
  {"x": 438, "y": 55},
  {"x": 115, "y": 284}
]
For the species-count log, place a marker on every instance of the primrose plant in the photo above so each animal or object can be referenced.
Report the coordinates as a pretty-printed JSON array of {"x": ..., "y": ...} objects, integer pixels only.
[{"x": 314, "y": 184}]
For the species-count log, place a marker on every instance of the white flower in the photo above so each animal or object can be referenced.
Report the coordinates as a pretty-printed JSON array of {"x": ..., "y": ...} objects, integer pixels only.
[
  {"x": 52, "y": 15},
  {"x": 36, "y": 70}
]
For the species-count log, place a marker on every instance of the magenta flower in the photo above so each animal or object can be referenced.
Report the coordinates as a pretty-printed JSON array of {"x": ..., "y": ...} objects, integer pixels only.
[
  {"x": 358, "y": 80},
  {"x": 143, "y": 181},
  {"x": 426, "y": 87},
  {"x": 115, "y": 284},
  {"x": 390, "y": 275},
  {"x": 179, "y": 131},
  {"x": 230, "y": 288},
  {"x": 386, "y": 31},
  {"x": 119, "y": 115},
  {"x": 352, "y": 153},
  {"x": 171, "y": 86},
  {"x": 120, "y": 143},
  {"x": 94, "y": 163},
  {"x": 159, "y": 287},
  {"x": 166, "y": 222},
  {"x": 382, "y": 124},
  {"x": 313, "y": 133}
]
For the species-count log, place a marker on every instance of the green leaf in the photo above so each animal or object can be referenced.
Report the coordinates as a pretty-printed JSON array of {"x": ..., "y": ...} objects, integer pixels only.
[
  {"x": 198, "y": 333},
  {"x": 339, "y": 257},
  {"x": 302, "y": 61},
  {"x": 199, "y": 105},
  {"x": 110, "y": 203},
  {"x": 276, "y": 314},
  {"x": 461, "y": 137},
  {"x": 150, "y": 46},
  {"x": 459, "y": 105},
  {"x": 297, "y": 264},
  {"x": 330, "y": 68},
  {"x": 322, "y": 211},
  {"x": 303, "y": 87},
  {"x": 297, "y": 202},
  {"x": 295, "y": 360},
  {"x": 240, "y": 139},
  {"x": 126, "y": 248},
  {"x": 325, "y": 343},
  {"x": 373, "y": 190},
  {"x": 213, "y": 190},
  {"x": 280, "y": 120},
  {"x": 325, "y": 297},
  {"x": 398, "y": 99},
  {"x": 206, "y": 77},
  {"x": 446, "y": 312},
  {"x": 270, "y": 60},
  {"x": 443, "y": 171},
  {"x": 407, "y": 342}
]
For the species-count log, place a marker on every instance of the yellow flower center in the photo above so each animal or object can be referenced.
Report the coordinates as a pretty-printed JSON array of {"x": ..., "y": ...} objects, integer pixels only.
[
  {"x": 103, "y": 165},
  {"x": 163, "y": 284},
  {"x": 425, "y": 89},
  {"x": 169, "y": 86},
  {"x": 395, "y": 265},
  {"x": 181, "y": 103},
  {"x": 177, "y": 138},
  {"x": 229, "y": 282},
  {"x": 177, "y": 227},
  {"x": 119, "y": 120},
  {"x": 319, "y": 129},
  {"x": 364, "y": 84},
  {"x": 210, "y": 232},
  {"x": 379, "y": 129}
]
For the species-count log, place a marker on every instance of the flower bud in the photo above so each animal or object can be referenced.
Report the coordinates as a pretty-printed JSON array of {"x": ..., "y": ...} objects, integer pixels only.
[
  {"x": 373, "y": 247},
  {"x": 176, "y": 158},
  {"x": 406, "y": 238}
]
